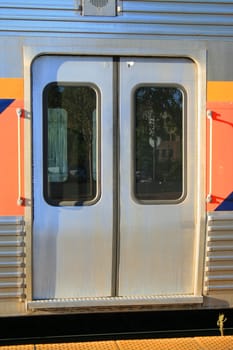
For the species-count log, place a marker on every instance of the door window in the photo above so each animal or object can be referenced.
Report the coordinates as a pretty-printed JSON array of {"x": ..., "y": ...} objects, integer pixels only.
[
  {"x": 159, "y": 145},
  {"x": 70, "y": 136}
]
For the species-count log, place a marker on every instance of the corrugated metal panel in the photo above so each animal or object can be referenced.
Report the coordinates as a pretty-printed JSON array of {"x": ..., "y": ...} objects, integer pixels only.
[
  {"x": 181, "y": 18},
  {"x": 12, "y": 255},
  {"x": 219, "y": 252}
]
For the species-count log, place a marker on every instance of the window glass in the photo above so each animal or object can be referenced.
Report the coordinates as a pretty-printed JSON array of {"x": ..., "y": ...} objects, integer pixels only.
[
  {"x": 70, "y": 128},
  {"x": 159, "y": 159}
]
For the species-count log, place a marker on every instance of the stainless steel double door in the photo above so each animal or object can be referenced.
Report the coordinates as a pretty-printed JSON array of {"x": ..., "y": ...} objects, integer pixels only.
[{"x": 114, "y": 177}]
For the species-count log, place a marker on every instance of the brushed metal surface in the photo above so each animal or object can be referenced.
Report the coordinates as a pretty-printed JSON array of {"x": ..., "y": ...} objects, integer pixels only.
[
  {"x": 72, "y": 245},
  {"x": 157, "y": 240},
  {"x": 176, "y": 18}
]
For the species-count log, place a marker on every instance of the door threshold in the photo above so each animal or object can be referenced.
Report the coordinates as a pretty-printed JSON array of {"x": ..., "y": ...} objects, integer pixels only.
[{"x": 115, "y": 301}]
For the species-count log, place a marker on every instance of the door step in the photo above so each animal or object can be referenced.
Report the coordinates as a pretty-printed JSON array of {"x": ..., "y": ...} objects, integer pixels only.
[{"x": 115, "y": 301}]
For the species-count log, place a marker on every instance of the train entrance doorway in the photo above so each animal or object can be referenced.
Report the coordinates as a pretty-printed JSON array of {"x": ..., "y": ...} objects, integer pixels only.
[{"x": 114, "y": 178}]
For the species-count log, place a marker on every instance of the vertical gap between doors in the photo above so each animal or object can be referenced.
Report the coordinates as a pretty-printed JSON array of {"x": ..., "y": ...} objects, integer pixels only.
[{"x": 116, "y": 179}]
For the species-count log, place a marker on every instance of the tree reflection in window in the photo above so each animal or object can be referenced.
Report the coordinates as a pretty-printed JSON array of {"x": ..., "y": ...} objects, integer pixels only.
[
  {"x": 70, "y": 144},
  {"x": 159, "y": 159}
]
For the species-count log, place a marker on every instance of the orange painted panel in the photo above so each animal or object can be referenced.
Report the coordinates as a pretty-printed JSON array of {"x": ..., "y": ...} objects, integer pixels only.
[
  {"x": 220, "y": 102},
  {"x": 222, "y": 169},
  {"x": 10, "y": 89}
]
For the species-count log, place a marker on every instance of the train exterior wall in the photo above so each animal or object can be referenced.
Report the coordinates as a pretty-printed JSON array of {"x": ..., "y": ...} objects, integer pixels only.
[
  {"x": 181, "y": 19},
  {"x": 139, "y": 28}
]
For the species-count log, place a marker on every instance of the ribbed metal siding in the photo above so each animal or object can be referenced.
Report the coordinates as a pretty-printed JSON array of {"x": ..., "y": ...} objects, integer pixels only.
[
  {"x": 12, "y": 255},
  {"x": 177, "y": 18},
  {"x": 219, "y": 253}
]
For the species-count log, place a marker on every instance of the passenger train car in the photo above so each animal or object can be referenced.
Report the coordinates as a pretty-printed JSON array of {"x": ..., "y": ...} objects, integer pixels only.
[{"x": 116, "y": 155}]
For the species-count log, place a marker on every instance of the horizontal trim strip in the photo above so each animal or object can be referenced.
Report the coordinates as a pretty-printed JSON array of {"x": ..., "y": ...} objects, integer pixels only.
[
  {"x": 214, "y": 228},
  {"x": 11, "y": 220},
  {"x": 173, "y": 6},
  {"x": 214, "y": 248},
  {"x": 217, "y": 268},
  {"x": 178, "y": 7},
  {"x": 11, "y": 88},
  {"x": 220, "y": 238},
  {"x": 114, "y": 27},
  {"x": 13, "y": 274},
  {"x": 17, "y": 253},
  {"x": 12, "y": 244},
  {"x": 12, "y": 285},
  {"x": 42, "y": 4},
  {"x": 220, "y": 278},
  {"x": 11, "y": 295},
  {"x": 159, "y": 16},
  {"x": 16, "y": 232},
  {"x": 225, "y": 287},
  {"x": 9, "y": 264},
  {"x": 220, "y": 258},
  {"x": 64, "y": 28},
  {"x": 220, "y": 91}
]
